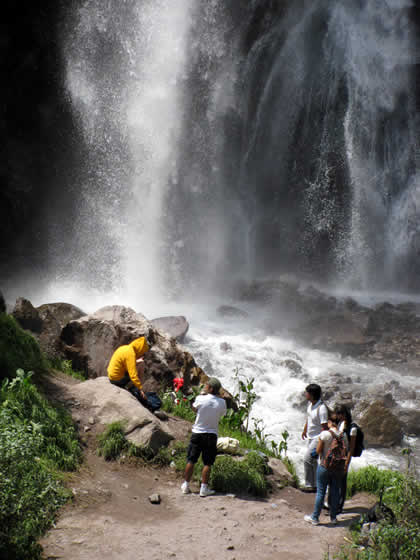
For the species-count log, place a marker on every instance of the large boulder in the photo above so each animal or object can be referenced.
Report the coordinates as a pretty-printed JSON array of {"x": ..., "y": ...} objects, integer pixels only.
[
  {"x": 176, "y": 327},
  {"x": 279, "y": 475},
  {"x": 54, "y": 317},
  {"x": 381, "y": 427},
  {"x": 90, "y": 341},
  {"x": 336, "y": 332},
  {"x": 108, "y": 403},
  {"x": 27, "y": 316}
]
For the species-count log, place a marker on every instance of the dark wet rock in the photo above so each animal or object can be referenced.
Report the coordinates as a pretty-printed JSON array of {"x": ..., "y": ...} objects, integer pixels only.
[
  {"x": 382, "y": 428},
  {"x": 387, "y": 318},
  {"x": 410, "y": 419},
  {"x": 231, "y": 311},
  {"x": 27, "y": 316},
  {"x": 292, "y": 366},
  {"x": 335, "y": 332},
  {"x": 62, "y": 312},
  {"x": 225, "y": 347},
  {"x": 54, "y": 317},
  {"x": 176, "y": 326}
]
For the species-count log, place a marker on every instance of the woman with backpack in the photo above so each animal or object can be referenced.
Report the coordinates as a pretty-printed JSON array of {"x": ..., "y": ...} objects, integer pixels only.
[
  {"x": 348, "y": 427},
  {"x": 332, "y": 449}
]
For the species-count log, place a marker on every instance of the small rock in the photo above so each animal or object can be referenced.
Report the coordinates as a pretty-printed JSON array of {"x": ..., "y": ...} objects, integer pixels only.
[
  {"x": 87, "y": 428},
  {"x": 172, "y": 465},
  {"x": 125, "y": 486},
  {"x": 91, "y": 420},
  {"x": 230, "y": 547},
  {"x": 154, "y": 499},
  {"x": 225, "y": 347}
]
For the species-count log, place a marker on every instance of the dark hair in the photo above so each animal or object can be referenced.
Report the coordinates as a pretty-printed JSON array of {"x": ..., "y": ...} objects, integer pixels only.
[
  {"x": 314, "y": 390},
  {"x": 332, "y": 417},
  {"x": 342, "y": 409}
]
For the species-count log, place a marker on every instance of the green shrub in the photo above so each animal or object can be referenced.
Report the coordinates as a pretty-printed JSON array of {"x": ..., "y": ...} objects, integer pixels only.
[
  {"x": 399, "y": 540},
  {"x": 112, "y": 442},
  {"x": 246, "y": 476},
  {"x": 36, "y": 442},
  {"x": 18, "y": 349}
]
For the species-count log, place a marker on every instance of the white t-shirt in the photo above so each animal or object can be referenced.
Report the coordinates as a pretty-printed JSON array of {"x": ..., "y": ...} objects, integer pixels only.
[
  {"x": 327, "y": 437},
  {"x": 209, "y": 411},
  {"x": 342, "y": 428},
  {"x": 317, "y": 415}
]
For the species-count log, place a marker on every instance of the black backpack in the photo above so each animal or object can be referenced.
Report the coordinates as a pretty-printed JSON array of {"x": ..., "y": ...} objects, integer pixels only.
[{"x": 359, "y": 447}]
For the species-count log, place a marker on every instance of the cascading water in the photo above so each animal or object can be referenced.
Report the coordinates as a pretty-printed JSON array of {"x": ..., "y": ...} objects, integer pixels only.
[{"x": 240, "y": 142}]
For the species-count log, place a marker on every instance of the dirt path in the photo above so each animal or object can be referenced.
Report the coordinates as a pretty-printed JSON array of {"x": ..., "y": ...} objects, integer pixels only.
[{"x": 111, "y": 517}]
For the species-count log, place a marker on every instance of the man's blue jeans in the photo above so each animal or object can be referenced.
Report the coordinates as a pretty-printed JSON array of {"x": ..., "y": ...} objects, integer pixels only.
[{"x": 323, "y": 479}]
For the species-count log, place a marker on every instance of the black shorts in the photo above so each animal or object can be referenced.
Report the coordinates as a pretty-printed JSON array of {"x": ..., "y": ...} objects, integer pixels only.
[{"x": 206, "y": 444}]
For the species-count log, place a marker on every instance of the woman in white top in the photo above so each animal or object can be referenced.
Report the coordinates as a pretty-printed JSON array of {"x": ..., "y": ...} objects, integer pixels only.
[
  {"x": 345, "y": 426},
  {"x": 326, "y": 476}
]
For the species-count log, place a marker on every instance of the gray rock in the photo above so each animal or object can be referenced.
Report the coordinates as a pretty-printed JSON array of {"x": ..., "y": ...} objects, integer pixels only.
[
  {"x": 155, "y": 499},
  {"x": 410, "y": 419},
  {"x": 279, "y": 473},
  {"x": 225, "y": 347},
  {"x": 176, "y": 327},
  {"x": 54, "y": 317},
  {"x": 111, "y": 404},
  {"x": 381, "y": 427},
  {"x": 27, "y": 316}
]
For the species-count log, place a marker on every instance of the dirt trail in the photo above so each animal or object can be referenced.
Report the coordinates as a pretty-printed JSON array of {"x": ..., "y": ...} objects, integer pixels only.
[{"x": 111, "y": 517}]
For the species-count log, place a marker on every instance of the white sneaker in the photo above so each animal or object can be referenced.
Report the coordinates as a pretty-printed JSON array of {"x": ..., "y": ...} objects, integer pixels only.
[
  {"x": 206, "y": 491},
  {"x": 334, "y": 521},
  {"x": 310, "y": 519},
  {"x": 185, "y": 487}
]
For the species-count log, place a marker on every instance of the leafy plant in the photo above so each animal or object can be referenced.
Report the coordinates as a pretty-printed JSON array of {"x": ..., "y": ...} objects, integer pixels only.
[
  {"x": 18, "y": 349},
  {"x": 37, "y": 441},
  {"x": 66, "y": 367}
]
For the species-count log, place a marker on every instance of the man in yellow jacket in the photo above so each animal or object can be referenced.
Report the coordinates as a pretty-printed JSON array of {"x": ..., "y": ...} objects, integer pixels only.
[{"x": 126, "y": 364}]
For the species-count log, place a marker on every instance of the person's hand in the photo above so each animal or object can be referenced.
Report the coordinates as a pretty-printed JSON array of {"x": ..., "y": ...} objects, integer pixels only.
[
  {"x": 304, "y": 434},
  {"x": 142, "y": 394}
]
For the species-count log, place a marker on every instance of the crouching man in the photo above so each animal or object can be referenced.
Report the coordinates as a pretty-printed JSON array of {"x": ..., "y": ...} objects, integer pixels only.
[
  {"x": 126, "y": 365},
  {"x": 209, "y": 408}
]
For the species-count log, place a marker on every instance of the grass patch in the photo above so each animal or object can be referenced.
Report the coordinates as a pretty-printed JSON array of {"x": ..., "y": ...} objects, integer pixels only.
[
  {"x": 66, "y": 367},
  {"x": 18, "y": 349},
  {"x": 401, "y": 493},
  {"x": 112, "y": 444},
  {"x": 246, "y": 476},
  {"x": 37, "y": 443}
]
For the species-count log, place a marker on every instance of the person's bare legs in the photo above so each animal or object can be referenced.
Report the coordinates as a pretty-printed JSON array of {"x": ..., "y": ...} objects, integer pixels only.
[
  {"x": 189, "y": 469},
  {"x": 205, "y": 474}
]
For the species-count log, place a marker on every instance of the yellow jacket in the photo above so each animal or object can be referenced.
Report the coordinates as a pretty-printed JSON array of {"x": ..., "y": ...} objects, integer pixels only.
[{"x": 124, "y": 360}]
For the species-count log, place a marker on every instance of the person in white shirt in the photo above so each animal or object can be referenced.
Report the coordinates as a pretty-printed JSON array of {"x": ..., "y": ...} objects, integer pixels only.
[
  {"x": 210, "y": 408},
  {"x": 327, "y": 476},
  {"x": 316, "y": 422}
]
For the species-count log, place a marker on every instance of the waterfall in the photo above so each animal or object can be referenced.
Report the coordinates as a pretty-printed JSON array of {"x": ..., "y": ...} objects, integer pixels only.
[{"x": 227, "y": 142}]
